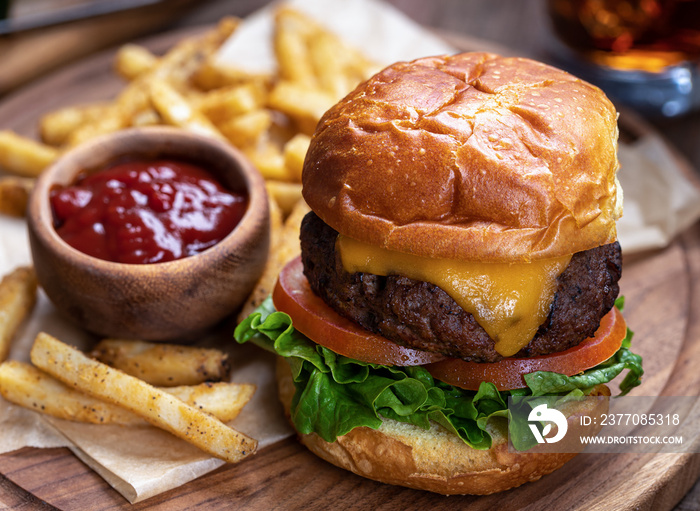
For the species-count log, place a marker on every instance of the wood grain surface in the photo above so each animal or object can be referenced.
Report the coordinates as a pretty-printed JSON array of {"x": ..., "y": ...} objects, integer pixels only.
[
  {"x": 663, "y": 307},
  {"x": 58, "y": 44}
]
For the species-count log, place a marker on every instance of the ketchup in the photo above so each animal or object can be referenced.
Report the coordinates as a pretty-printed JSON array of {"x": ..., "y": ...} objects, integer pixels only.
[{"x": 141, "y": 212}]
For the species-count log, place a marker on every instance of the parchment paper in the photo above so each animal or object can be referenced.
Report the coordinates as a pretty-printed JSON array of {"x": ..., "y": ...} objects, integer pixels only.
[
  {"x": 660, "y": 202},
  {"x": 139, "y": 462}
]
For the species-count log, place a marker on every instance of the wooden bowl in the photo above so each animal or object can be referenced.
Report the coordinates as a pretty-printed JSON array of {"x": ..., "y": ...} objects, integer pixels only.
[{"x": 162, "y": 301}]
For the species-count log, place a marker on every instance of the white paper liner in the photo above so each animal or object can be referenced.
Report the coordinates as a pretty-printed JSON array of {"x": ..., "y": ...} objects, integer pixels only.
[
  {"x": 660, "y": 202},
  {"x": 376, "y": 29}
]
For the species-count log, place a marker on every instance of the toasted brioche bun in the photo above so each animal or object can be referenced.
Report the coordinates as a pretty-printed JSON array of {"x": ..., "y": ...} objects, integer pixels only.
[
  {"x": 505, "y": 159},
  {"x": 434, "y": 460}
]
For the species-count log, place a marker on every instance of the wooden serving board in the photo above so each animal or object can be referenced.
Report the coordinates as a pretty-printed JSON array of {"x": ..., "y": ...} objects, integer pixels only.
[{"x": 662, "y": 289}]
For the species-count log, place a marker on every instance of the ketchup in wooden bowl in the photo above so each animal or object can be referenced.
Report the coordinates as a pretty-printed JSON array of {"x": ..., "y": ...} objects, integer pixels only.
[
  {"x": 149, "y": 233},
  {"x": 142, "y": 212}
]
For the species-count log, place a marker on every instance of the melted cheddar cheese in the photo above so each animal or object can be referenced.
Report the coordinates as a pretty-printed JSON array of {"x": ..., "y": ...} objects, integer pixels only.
[{"x": 509, "y": 300}]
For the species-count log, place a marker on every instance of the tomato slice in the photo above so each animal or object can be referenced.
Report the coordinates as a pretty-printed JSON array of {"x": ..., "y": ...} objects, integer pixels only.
[
  {"x": 508, "y": 373},
  {"x": 312, "y": 317}
]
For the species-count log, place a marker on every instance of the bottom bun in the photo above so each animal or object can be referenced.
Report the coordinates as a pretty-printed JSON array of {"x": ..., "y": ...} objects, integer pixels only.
[{"x": 435, "y": 459}]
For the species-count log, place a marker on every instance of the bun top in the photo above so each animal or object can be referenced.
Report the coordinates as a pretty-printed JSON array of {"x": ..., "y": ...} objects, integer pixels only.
[{"x": 472, "y": 156}]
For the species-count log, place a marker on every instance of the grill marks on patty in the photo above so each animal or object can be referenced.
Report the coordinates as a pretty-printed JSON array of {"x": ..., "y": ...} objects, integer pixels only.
[{"x": 423, "y": 316}]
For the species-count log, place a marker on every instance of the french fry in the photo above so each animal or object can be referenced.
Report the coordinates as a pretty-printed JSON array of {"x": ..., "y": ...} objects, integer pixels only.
[
  {"x": 176, "y": 110},
  {"x": 223, "y": 400},
  {"x": 183, "y": 60},
  {"x": 225, "y": 103},
  {"x": 294, "y": 154},
  {"x": 304, "y": 105},
  {"x": 165, "y": 365},
  {"x": 156, "y": 406},
  {"x": 111, "y": 120},
  {"x": 133, "y": 60},
  {"x": 328, "y": 67},
  {"x": 17, "y": 299},
  {"x": 288, "y": 246},
  {"x": 338, "y": 68},
  {"x": 276, "y": 222},
  {"x": 263, "y": 286},
  {"x": 56, "y": 127},
  {"x": 269, "y": 160},
  {"x": 14, "y": 194},
  {"x": 248, "y": 129},
  {"x": 287, "y": 195},
  {"x": 291, "y": 45},
  {"x": 211, "y": 75},
  {"x": 23, "y": 156},
  {"x": 29, "y": 387},
  {"x": 284, "y": 246},
  {"x": 213, "y": 39},
  {"x": 132, "y": 101},
  {"x": 147, "y": 117},
  {"x": 316, "y": 58},
  {"x": 133, "y": 105}
]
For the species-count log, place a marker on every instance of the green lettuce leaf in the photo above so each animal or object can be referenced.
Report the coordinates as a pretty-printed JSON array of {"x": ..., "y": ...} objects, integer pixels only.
[
  {"x": 543, "y": 383},
  {"x": 335, "y": 394}
]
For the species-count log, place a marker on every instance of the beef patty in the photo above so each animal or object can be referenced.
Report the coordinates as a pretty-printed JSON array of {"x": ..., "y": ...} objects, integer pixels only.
[{"x": 423, "y": 316}]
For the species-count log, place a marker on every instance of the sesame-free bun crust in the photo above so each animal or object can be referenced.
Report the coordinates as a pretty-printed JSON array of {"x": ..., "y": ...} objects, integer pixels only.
[
  {"x": 433, "y": 460},
  {"x": 472, "y": 156}
]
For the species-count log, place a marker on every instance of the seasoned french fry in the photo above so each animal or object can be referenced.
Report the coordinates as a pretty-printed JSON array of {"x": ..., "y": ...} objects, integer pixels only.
[
  {"x": 111, "y": 120},
  {"x": 133, "y": 105},
  {"x": 291, "y": 45},
  {"x": 166, "y": 365},
  {"x": 247, "y": 129},
  {"x": 134, "y": 100},
  {"x": 225, "y": 103},
  {"x": 325, "y": 55},
  {"x": 133, "y": 60},
  {"x": 315, "y": 58},
  {"x": 286, "y": 194},
  {"x": 223, "y": 400},
  {"x": 263, "y": 286},
  {"x": 304, "y": 105},
  {"x": 276, "y": 222},
  {"x": 211, "y": 41},
  {"x": 23, "y": 156},
  {"x": 29, "y": 387},
  {"x": 147, "y": 117},
  {"x": 284, "y": 246},
  {"x": 56, "y": 127},
  {"x": 131, "y": 102},
  {"x": 288, "y": 246},
  {"x": 161, "y": 409},
  {"x": 14, "y": 194},
  {"x": 339, "y": 68},
  {"x": 294, "y": 154},
  {"x": 212, "y": 75},
  {"x": 269, "y": 160},
  {"x": 176, "y": 110},
  {"x": 180, "y": 63},
  {"x": 17, "y": 299}
]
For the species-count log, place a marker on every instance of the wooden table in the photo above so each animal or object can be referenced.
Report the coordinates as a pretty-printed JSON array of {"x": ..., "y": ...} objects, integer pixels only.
[{"x": 521, "y": 25}]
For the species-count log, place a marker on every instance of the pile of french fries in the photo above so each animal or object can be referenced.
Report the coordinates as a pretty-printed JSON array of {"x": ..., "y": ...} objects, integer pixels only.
[
  {"x": 180, "y": 389},
  {"x": 270, "y": 118}
]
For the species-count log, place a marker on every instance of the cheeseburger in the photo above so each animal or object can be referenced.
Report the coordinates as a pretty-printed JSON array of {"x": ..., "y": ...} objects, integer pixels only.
[{"x": 461, "y": 249}]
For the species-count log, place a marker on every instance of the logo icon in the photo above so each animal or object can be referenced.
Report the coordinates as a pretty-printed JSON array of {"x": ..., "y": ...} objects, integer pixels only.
[{"x": 541, "y": 413}]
